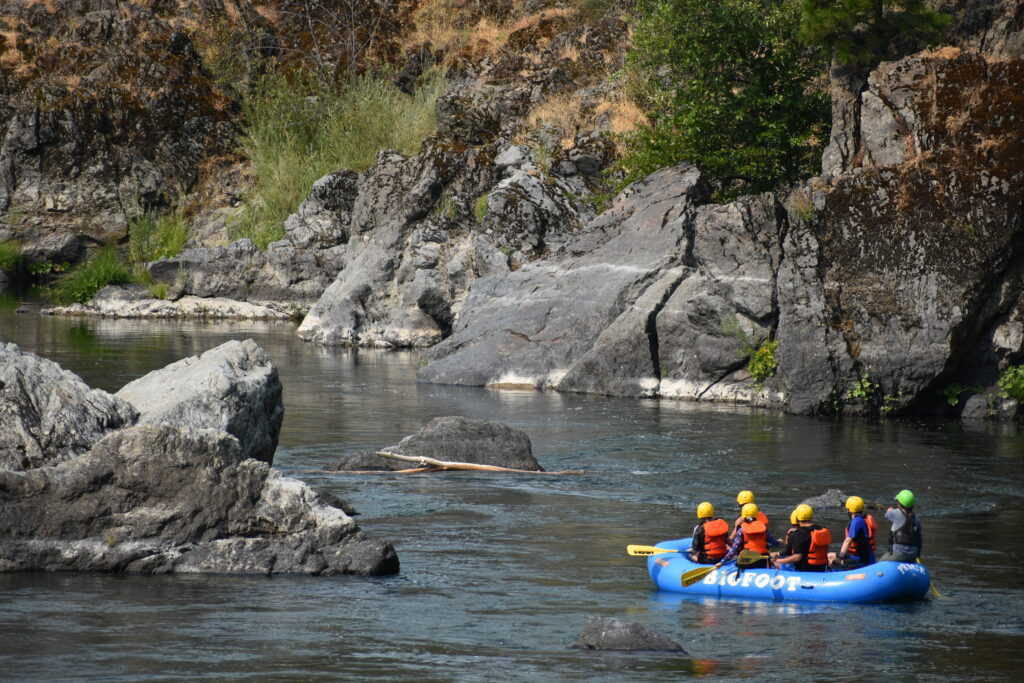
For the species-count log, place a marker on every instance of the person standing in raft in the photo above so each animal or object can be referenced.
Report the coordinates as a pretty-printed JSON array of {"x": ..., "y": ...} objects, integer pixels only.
[
  {"x": 752, "y": 534},
  {"x": 905, "y": 535},
  {"x": 808, "y": 545},
  {"x": 858, "y": 547},
  {"x": 742, "y": 499},
  {"x": 710, "y": 536}
]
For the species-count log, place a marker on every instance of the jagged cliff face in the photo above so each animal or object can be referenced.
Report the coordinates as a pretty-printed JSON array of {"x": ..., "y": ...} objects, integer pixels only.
[
  {"x": 106, "y": 105},
  {"x": 891, "y": 278}
]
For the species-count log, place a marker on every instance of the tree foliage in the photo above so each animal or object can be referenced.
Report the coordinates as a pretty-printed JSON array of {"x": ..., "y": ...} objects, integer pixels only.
[
  {"x": 864, "y": 32},
  {"x": 726, "y": 85}
]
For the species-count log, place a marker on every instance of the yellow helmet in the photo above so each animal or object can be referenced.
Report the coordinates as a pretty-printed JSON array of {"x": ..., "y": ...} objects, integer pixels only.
[
  {"x": 855, "y": 504},
  {"x": 792, "y": 518},
  {"x": 745, "y": 497},
  {"x": 804, "y": 512},
  {"x": 705, "y": 510},
  {"x": 749, "y": 510}
]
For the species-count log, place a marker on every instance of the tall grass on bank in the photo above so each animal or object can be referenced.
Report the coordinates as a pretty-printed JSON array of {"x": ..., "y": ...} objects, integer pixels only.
[
  {"x": 105, "y": 267},
  {"x": 154, "y": 236},
  {"x": 299, "y": 129},
  {"x": 11, "y": 261}
]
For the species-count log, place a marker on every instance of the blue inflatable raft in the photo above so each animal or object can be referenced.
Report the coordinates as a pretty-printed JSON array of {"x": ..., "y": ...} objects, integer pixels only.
[{"x": 879, "y": 582}]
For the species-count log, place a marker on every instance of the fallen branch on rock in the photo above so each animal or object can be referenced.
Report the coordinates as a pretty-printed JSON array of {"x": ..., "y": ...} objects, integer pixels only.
[
  {"x": 426, "y": 464},
  {"x": 429, "y": 464}
]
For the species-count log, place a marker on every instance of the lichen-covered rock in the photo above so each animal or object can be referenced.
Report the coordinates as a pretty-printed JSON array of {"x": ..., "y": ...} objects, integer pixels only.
[
  {"x": 49, "y": 415},
  {"x": 233, "y": 388}
]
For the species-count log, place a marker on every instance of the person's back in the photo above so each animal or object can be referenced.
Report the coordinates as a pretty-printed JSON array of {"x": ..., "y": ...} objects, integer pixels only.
[
  {"x": 905, "y": 535},
  {"x": 710, "y": 536},
  {"x": 808, "y": 551},
  {"x": 858, "y": 547}
]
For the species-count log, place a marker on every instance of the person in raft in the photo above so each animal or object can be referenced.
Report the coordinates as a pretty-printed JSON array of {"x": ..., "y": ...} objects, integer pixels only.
[
  {"x": 794, "y": 524},
  {"x": 710, "y": 536},
  {"x": 858, "y": 547},
  {"x": 905, "y": 535},
  {"x": 808, "y": 545},
  {"x": 752, "y": 534},
  {"x": 742, "y": 499}
]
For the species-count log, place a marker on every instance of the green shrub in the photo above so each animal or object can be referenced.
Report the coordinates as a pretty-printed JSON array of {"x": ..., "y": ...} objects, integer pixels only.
[
  {"x": 1011, "y": 382},
  {"x": 863, "y": 389},
  {"x": 762, "y": 363},
  {"x": 299, "y": 129},
  {"x": 80, "y": 284},
  {"x": 154, "y": 236},
  {"x": 727, "y": 86}
]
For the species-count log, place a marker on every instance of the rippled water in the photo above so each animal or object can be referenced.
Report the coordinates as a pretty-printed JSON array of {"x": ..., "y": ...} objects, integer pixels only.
[{"x": 499, "y": 573}]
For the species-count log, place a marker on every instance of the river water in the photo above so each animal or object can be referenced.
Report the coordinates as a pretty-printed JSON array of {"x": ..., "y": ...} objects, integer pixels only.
[{"x": 499, "y": 573}]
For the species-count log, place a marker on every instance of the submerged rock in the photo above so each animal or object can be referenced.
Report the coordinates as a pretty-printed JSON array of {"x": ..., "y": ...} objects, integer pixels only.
[
  {"x": 170, "y": 494},
  {"x": 457, "y": 439},
  {"x": 607, "y": 633}
]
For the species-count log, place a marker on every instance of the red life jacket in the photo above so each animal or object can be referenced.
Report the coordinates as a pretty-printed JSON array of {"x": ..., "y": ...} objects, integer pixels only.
[
  {"x": 755, "y": 536},
  {"x": 818, "y": 554},
  {"x": 871, "y": 537},
  {"x": 716, "y": 534}
]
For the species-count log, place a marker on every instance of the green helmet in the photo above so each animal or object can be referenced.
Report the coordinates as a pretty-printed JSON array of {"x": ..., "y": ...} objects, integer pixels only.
[{"x": 905, "y": 498}]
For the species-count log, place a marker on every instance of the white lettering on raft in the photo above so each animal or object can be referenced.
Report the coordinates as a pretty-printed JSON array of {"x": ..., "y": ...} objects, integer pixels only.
[{"x": 776, "y": 582}]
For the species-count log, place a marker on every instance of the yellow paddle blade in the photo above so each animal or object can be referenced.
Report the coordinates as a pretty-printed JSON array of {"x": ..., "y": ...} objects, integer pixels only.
[
  {"x": 749, "y": 557},
  {"x": 647, "y": 550},
  {"x": 694, "y": 575},
  {"x": 935, "y": 591}
]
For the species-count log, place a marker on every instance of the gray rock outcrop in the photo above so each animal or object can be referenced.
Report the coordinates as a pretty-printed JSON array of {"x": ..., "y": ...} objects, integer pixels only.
[
  {"x": 233, "y": 388},
  {"x": 457, "y": 439},
  {"x": 547, "y": 323},
  {"x": 157, "y": 497},
  {"x": 48, "y": 415},
  {"x": 608, "y": 633}
]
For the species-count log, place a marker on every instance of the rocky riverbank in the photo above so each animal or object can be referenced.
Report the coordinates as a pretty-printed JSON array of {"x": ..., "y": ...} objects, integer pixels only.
[
  {"x": 171, "y": 474},
  {"x": 892, "y": 284}
]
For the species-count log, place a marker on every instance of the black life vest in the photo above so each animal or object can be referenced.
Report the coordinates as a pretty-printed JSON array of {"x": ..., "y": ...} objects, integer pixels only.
[{"x": 908, "y": 534}]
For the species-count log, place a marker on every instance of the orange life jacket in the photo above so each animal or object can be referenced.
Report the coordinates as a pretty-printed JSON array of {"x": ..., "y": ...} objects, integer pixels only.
[
  {"x": 871, "y": 538},
  {"x": 761, "y": 517},
  {"x": 755, "y": 536},
  {"x": 818, "y": 554},
  {"x": 716, "y": 534}
]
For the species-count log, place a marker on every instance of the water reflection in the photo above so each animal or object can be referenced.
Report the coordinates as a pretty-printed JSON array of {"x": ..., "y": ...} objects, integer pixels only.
[{"x": 500, "y": 574}]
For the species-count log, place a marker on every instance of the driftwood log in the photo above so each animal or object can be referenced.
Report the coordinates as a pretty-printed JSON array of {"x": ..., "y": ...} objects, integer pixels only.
[{"x": 426, "y": 464}]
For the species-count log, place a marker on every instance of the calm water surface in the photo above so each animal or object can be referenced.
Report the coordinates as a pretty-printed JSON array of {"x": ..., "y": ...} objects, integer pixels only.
[{"x": 499, "y": 573}]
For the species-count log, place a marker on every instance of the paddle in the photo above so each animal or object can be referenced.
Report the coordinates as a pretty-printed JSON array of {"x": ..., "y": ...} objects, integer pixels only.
[
  {"x": 748, "y": 557},
  {"x": 935, "y": 592},
  {"x": 647, "y": 550},
  {"x": 694, "y": 575}
]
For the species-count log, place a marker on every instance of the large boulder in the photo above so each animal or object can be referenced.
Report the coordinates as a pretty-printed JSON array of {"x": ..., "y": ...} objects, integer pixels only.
[
  {"x": 608, "y": 633},
  {"x": 233, "y": 388},
  {"x": 161, "y": 499},
  {"x": 457, "y": 439},
  {"x": 49, "y": 415},
  {"x": 177, "y": 493}
]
